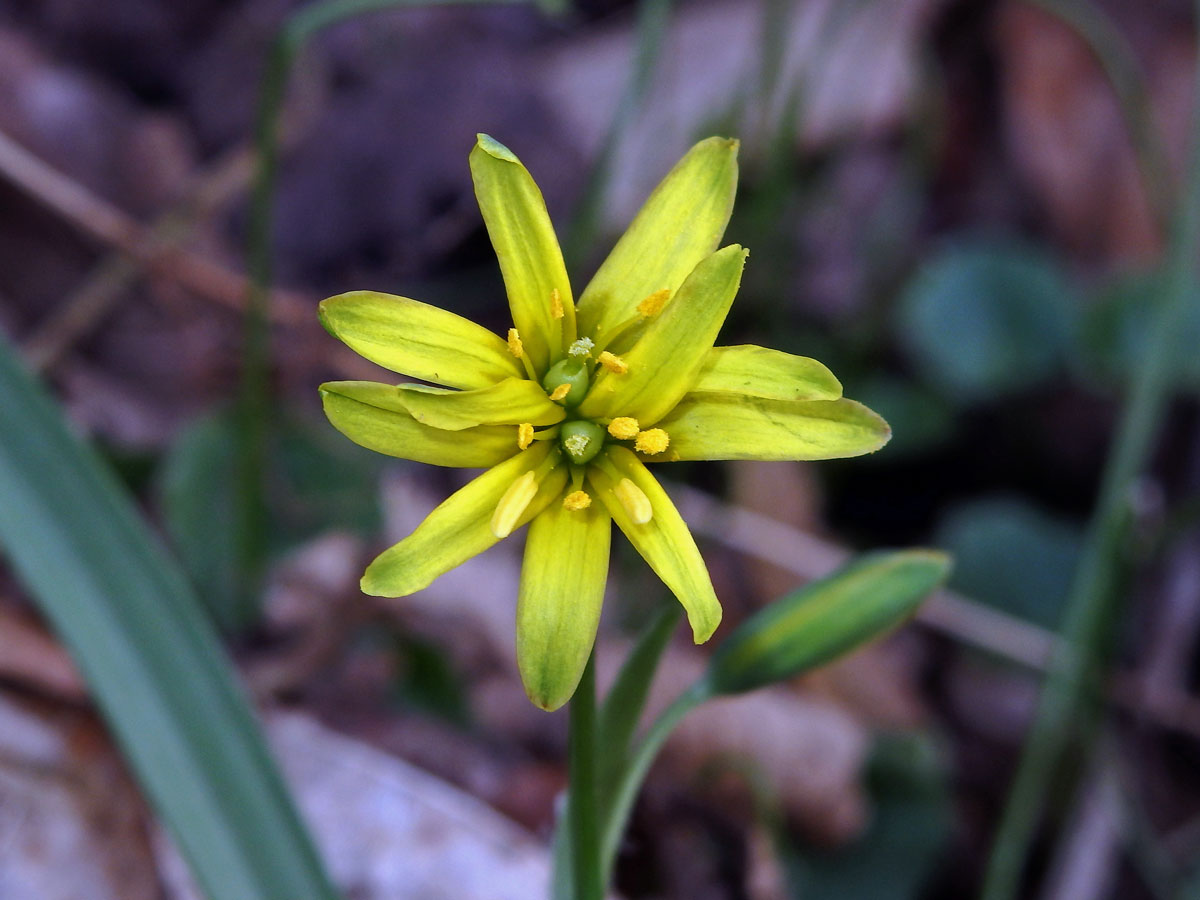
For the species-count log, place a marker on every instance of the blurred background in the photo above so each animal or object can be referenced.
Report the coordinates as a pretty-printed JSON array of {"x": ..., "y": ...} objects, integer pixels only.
[{"x": 961, "y": 207}]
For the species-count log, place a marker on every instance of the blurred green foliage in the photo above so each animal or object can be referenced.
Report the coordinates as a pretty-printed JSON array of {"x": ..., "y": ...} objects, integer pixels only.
[
  {"x": 982, "y": 319},
  {"x": 1011, "y": 554},
  {"x": 315, "y": 482},
  {"x": 909, "y": 830}
]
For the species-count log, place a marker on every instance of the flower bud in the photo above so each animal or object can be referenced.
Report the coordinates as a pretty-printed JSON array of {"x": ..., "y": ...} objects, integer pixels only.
[{"x": 825, "y": 619}]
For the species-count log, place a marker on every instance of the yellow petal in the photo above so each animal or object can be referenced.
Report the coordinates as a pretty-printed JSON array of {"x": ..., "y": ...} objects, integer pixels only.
[
  {"x": 562, "y": 587},
  {"x": 460, "y": 527},
  {"x": 760, "y": 372},
  {"x": 727, "y": 426},
  {"x": 361, "y": 411},
  {"x": 508, "y": 402},
  {"x": 530, "y": 259},
  {"x": 664, "y": 541},
  {"x": 680, "y": 224},
  {"x": 419, "y": 340},
  {"x": 665, "y": 361}
]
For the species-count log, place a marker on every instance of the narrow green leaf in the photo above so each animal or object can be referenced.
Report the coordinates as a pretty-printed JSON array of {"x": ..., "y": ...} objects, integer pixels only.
[
  {"x": 623, "y": 706},
  {"x": 824, "y": 619},
  {"x": 152, "y": 660}
]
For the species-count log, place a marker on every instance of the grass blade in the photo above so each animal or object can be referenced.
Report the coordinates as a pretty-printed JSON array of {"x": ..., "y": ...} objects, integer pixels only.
[
  {"x": 152, "y": 660},
  {"x": 622, "y": 707}
]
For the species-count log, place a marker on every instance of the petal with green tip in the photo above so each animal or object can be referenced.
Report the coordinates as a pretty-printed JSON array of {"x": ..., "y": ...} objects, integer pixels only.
[
  {"x": 508, "y": 402},
  {"x": 530, "y": 259},
  {"x": 680, "y": 224},
  {"x": 760, "y": 372},
  {"x": 664, "y": 542},
  {"x": 558, "y": 609},
  {"x": 418, "y": 340},
  {"x": 460, "y": 527},
  {"x": 728, "y": 426},
  {"x": 666, "y": 360},
  {"x": 364, "y": 412}
]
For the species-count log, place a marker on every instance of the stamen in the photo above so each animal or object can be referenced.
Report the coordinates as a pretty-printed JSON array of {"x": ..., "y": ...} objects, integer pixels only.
[
  {"x": 581, "y": 348},
  {"x": 513, "y": 504},
  {"x": 653, "y": 304},
  {"x": 623, "y": 428},
  {"x": 634, "y": 500},
  {"x": 653, "y": 441},
  {"x": 613, "y": 363},
  {"x": 515, "y": 347},
  {"x": 556, "y": 306},
  {"x": 524, "y": 435},
  {"x": 560, "y": 393},
  {"x": 577, "y": 500}
]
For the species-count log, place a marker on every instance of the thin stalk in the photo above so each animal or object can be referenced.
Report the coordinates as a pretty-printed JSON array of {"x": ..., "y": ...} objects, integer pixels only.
[
  {"x": 1091, "y": 600},
  {"x": 1111, "y": 50},
  {"x": 626, "y": 789},
  {"x": 583, "y": 793},
  {"x": 651, "y": 26}
]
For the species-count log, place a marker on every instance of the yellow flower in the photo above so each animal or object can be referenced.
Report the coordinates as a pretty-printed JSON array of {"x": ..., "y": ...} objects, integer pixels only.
[{"x": 575, "y": 400}]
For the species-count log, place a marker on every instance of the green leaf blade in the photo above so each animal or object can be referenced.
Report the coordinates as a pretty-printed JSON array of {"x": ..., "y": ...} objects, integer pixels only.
[{"x": 152, "y": 660}]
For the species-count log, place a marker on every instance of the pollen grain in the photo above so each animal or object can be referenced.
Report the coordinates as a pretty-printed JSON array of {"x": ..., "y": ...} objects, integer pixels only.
[
  {"x": 515, "y": 346},
  {"x": 652, "y": 441},
  {"x": 653, "y": 304},
  {"x": 624, "y": 428},
  {"x": 613, "y": 363},
  {"x": 577, "y": 500},
  {"x": 524, "y": 435}
]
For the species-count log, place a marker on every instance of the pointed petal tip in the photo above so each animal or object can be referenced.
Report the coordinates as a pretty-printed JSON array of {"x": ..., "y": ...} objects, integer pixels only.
[
  {"x": 702, "y": 631},
  {"x": 716, "y": 140},
  {"x": 545, "y": 703},
  {"x": 370, "y": 586},
  {"x": 494, "y": 148}
]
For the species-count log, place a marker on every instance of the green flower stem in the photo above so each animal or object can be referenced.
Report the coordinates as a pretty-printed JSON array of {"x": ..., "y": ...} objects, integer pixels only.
[
  {"x": 626, "y": 789},
  {"x": 583, "y": 793},
  {"x": 1091, "y": 600}
]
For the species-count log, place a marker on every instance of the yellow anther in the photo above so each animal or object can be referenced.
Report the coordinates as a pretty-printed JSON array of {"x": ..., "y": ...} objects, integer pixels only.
[
  {"x": 623, "y": 428},
  {"x": 613, "y": 363},
  {"x": 634, "y": 501},
  {"x": 560, "y": 392},
  {"x": 651, "y": 442},
  {"x": 515, "y": 347},
  {"x": 513, "y": 504},
  {"x": 524, "y": 435},
  {"x": 653, "y": 304},
  {"x": 556, "y": 307},
  {"x": 577, "y": 500}
]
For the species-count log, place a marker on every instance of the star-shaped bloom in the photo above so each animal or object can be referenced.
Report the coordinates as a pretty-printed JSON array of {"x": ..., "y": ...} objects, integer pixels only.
[{"x": 568, "y": 409}]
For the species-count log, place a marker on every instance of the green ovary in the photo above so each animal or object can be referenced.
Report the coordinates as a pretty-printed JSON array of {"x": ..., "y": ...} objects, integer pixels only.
[
  {"x": 570, "y": 372},
  {"x": 581, "y": 440}
]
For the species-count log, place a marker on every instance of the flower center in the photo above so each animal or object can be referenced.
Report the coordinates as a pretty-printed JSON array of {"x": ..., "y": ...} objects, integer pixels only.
[
  {"x": 581, "y": 440},
  {"x": 572, "y": 374}
]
